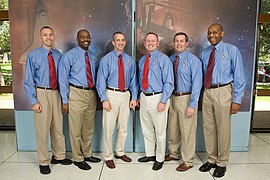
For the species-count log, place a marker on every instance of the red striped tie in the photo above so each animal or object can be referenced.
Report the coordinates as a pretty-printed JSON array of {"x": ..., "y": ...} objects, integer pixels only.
[
  {"x": 145, "y": 72},
  {"x": 88, "y": 71},
  {"x": 52, "y": 69},
  {"x": 175, "y": 68}
]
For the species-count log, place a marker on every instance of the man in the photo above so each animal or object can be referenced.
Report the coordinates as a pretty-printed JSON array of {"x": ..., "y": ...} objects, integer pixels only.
[
  {"x": 116, "y": 81},
  {"x": 182, "y": 123},
  {"x": 156, "y": 81},
  {"x": 41, "y": 87},
  {"x": 224, "y": 86},
  {"x": 77, "y": 72}
]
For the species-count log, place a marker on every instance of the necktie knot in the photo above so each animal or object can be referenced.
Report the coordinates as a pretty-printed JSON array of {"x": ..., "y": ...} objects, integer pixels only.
[
  {"x": 50, "y": 53},
  {"x": 120, "y": 55}
]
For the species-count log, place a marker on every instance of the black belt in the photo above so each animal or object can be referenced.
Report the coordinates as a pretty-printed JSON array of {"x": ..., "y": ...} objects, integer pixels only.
[
  {"x": 82, "y": 87},
  {"x": 46, "y": 88},
  {"x": 116, "y": 89},
  {"x": 151, "y": 93},
  {"x": 219, "y": 85},
  {"x": 181, "y": 93}
]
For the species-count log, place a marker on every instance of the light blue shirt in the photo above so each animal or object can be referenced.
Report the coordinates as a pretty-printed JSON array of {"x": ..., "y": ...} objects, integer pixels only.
[
  {"x": 160, "y": 74},
  {"x": 189, "y": 76},
  {"x": 108, "y": 74},
  {"x": 228, "y": 68},
  {"x": 37, "y": 71},
  {"x": 72, "y": 69}
]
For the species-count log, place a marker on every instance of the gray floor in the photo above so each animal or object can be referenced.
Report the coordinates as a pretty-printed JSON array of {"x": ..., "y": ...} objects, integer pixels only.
[{"x": 254, "y": 164}]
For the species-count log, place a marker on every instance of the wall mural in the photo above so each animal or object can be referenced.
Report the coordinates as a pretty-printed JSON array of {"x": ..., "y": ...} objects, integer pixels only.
[
  {"x": 103, "y": 18},
  {"x": 167, "y": 17},
  {"x": 66, "y": 17}
]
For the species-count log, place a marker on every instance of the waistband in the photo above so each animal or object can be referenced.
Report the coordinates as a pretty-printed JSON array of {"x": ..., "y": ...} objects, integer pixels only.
[
  {"x": 151, "y": 93},
  {"x": 116, "y": 89},
  {"x": 218, "y": 85},
  {"x": 82, "y": 87},
  {"x": 181, "y": 93},
  {"x": 46, "y": 88}
]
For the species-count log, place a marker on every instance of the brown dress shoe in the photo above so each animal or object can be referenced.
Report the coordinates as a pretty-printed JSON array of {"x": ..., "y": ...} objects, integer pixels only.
[
  {"x": 183, "y": 167},
  {"x": 110, "y": 164},
  {"x": 170, "y": 158},
  {"x": 124, "y": 158}
]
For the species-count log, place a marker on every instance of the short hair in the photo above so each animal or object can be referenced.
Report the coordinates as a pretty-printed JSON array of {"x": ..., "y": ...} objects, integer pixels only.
[
  {"x": 46, "y": 27},
  {"x": 217, "y": 24},
  {"x": 181, "y": 33},
  {"x": 151, "y": 33},
  {"x": 118, "y": 32},
  {"x": 78, "y": 33}
]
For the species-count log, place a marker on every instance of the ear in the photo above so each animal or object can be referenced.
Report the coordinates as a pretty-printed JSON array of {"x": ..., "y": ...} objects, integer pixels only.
[
  {"x": 222, "y": 33},
  {"x": 113, "y": 43}
]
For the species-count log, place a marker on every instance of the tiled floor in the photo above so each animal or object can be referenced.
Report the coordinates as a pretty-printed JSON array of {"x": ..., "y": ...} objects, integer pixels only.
[{"x": 254, "y": 164}]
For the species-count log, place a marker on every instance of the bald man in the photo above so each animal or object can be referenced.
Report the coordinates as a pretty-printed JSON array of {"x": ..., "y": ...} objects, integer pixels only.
[{"x": 224, "y": 87}]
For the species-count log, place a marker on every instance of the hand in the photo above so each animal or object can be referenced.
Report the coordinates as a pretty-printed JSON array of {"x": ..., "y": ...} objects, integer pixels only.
[
  {"x": 37, "y": 108},
  {"x": 132, "y": 104},
  {"x": 235, "y": 108},
  {"x": 190, "y": 112},
  {"x": 65, "y": 108},
  {"x": 138, "y": 103},
  {"x": 161, "y": 106},
  {"x": 106, "y": 105}
]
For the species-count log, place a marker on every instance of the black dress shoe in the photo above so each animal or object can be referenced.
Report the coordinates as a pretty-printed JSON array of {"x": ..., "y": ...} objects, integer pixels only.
[
  {"x": 92, "y": 159},
  {"x": 63, "y": 161},
  {"x": 219, "y": 172},
  {"x": 45, "y": 169},
  {"x": 147, "y": 159},
  {"x": 207, "y": 167},
  {"x": 82, "y": 165},
  {"x": 157, "y": 165}
]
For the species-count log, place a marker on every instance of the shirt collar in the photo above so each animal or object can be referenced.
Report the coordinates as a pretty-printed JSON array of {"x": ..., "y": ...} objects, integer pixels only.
[{"x": 218, "y": 46}]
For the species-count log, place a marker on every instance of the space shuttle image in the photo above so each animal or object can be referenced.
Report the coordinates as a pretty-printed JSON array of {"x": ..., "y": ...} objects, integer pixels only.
[{"x": 40, "y": 21}]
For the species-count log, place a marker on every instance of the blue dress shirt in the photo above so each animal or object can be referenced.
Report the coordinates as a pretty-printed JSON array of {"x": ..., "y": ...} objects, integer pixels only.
[
  {"x": 228, "y": 68},
  {"x": 160, "y": 74},
  {"x": 37, "y": 71},
  {"x": 189, "y": 76},
  {"x": 108, "y": 74},
  {"x": 72, "y": 69}
]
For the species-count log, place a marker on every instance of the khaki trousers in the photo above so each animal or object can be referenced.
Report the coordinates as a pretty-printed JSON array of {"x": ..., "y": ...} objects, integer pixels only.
[
  {"x": 49, "y": 120},
  {"x": 154, "y": 125},
  {"x": 82, "y": 109},
  {"x": 118, "y": 114},
  {"x": 217, "y": 124},
  {"x": 181, "y": 129}
]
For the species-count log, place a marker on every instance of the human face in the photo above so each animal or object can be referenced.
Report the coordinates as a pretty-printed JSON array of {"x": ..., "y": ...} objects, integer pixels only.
[
  {"x": 47, "y": 38},
  {"x": 84, "y": 39},
  {"x": 151, "y": 42},
  {"x": 180, "y": 44},
  {"x": 215, "y": 34},
  {"x": 119, "y": 42}
]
